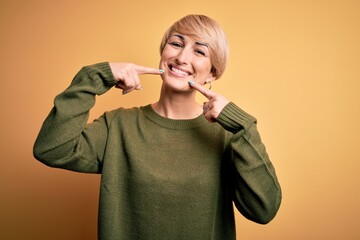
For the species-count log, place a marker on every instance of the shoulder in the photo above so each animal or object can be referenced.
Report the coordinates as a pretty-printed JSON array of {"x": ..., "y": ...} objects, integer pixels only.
[{"x": 124, "y": 113}]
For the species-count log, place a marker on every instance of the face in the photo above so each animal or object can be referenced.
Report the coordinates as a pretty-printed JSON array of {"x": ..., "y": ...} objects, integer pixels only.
[{"x": 184, "y": 59}]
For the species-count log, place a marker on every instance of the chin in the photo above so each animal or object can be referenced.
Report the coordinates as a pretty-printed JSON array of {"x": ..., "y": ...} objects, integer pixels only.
[{"x": 176, "y": 84}]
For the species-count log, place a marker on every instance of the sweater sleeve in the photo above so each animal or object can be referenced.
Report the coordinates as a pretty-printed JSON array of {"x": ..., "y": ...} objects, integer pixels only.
[
  {"x": 65, "y": 139},
  {"x": 256, "y": 190}
]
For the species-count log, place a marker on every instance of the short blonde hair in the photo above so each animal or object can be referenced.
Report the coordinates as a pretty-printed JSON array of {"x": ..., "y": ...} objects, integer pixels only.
[{"x": 205, "y": 29}]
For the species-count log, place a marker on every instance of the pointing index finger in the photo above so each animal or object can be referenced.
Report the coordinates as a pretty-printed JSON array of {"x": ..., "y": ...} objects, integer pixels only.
[
  {"x": 204, "y": 91},
  {"x": 148, "y": 70}
]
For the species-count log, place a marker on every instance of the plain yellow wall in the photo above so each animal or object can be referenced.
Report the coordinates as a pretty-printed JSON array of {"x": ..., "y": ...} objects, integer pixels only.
[{"x": 295, "y": 65}]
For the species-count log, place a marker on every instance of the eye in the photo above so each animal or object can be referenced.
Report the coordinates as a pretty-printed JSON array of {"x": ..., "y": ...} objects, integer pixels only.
[
  {"x": 176, "y": 44},
  {"x": 200, "y": 52}
]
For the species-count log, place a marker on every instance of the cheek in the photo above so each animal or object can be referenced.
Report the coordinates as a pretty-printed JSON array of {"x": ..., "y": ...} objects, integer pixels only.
[
  {"x": 167, "y": 51},
  {"x": 204, "y": 67},
  {"x": 203, "y": 72},
  {"x": 162, "y": 61},
  {"x": 165, "y": 55}
]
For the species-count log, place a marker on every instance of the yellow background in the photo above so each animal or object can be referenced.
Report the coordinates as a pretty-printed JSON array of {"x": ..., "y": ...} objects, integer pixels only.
[{"x": 295, "y": 65}]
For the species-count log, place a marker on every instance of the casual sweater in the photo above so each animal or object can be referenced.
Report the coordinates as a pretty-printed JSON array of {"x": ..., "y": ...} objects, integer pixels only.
[{"x": 160, "y": 178}]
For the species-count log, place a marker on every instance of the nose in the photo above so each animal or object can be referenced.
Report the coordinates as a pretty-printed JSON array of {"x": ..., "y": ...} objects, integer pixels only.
[{"x": 183, "y": 57}]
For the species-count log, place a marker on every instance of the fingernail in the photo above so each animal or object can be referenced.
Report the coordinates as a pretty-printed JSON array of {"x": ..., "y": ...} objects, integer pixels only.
[
  {"x": 191, "y": 82},
  {"x": 161, "y": 70}
]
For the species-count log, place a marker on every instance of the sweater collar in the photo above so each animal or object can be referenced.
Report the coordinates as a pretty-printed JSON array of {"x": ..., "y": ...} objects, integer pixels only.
[{"x": 179, "y": 124}]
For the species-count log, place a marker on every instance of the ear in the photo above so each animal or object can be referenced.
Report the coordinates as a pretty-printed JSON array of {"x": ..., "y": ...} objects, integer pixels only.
[{"x": 210, "y": 78}]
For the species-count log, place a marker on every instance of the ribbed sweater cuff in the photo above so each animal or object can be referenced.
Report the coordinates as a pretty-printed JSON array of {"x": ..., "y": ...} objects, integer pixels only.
[
  {"x": 234, "y": 119},
  {"x": 104, "y": 71}
]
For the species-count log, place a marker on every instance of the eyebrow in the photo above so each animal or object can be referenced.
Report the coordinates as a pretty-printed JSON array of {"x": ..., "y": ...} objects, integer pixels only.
[{"x": 183, "y": 38}]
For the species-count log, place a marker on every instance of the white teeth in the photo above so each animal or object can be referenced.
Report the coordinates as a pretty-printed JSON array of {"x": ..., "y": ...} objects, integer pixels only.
[{"x": 185, "y": 74}]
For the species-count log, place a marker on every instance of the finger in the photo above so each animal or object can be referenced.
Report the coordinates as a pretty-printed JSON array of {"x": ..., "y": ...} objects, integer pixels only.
[
  {"x": 138, "y": 87},
  {"x": 148, "y": 70},
  {"x": 207, "y": 106},
  {"x": 204, "y": 91},
  {"x": 137, "y": 82},
  {"x": 209, "y": 116},
  {"x": 127, "y": 90},
  {"x": 130, "y": 81},
  {"x": 120, "y": 85}
]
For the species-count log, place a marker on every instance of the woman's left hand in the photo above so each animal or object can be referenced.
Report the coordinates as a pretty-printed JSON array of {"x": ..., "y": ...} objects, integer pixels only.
[{"x": 214, "y": 106}]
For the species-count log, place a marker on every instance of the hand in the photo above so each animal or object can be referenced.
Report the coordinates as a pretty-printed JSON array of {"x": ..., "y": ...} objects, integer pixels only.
[
  {"x": 127, "y": 75},
  {"x": 214, "y": 106}
]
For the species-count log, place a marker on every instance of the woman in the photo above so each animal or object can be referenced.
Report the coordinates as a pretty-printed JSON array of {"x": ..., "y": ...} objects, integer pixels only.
[{"x": 172, "y": 169}]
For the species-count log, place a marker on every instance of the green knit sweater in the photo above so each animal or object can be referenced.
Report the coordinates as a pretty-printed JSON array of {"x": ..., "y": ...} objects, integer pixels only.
[{"x": 160, "y": 178}]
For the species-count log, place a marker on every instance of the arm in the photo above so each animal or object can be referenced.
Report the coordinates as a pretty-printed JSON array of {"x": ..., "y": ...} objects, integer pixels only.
[
  {"x": 65, "y": 140},
  {"x": 257, "y": 193}
]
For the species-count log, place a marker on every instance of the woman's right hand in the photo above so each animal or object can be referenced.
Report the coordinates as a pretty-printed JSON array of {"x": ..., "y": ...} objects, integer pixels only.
[{"x": 127, "y": 75}]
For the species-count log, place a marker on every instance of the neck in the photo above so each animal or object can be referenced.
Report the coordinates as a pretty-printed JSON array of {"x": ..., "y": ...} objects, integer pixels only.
[{"x": 177, "y": 105}]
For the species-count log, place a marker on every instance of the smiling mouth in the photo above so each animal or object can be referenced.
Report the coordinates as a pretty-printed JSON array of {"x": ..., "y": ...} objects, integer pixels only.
[{"x": 178, "y": 72}]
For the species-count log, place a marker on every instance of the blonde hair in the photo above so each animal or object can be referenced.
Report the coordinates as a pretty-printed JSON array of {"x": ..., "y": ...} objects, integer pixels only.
[{"x": 205, "y": 29}]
